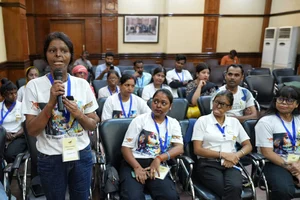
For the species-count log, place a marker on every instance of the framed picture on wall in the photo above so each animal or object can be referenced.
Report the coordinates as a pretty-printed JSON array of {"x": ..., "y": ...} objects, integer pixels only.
[{"x": 141, "y": 29}]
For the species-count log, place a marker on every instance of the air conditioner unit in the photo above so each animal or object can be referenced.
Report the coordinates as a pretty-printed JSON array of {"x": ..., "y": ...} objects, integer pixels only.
[
  {"x": 269, "y": 47},
  {"x": 286, "y": 48}
]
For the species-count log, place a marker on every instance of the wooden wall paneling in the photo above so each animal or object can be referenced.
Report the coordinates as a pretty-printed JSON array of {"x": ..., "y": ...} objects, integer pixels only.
[
  {"x": 210, "y": 26},
  {"x": 74, "y": 29},
  {"x": 109, "y": 34},
  {"x": 15, "y": 73},
  {"x": 29, "y": 6},
  {"x": 41, "y": 7},
  {"x": 265, "y": 24},
  {"x": 93, "y": 35},
  {"x": 42, "y": 28},
  {"x": 92, "y": 7},
  {"x": 31, "y": 35},
  {"x": 109, "y": 6}
]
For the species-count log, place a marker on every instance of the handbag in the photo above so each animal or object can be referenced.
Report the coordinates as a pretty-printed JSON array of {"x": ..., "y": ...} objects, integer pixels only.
[
  {"x": 112, "y": 180},
  {"x": 193, "y": 112}
]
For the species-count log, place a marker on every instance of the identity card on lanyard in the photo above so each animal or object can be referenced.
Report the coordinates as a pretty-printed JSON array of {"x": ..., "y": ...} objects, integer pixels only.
[
  {"x": 122, "y": 106},
  {"x": 70, "y": 148},
  {"x": 8, "y": 111},
  {"x": 163, "y": 146}
]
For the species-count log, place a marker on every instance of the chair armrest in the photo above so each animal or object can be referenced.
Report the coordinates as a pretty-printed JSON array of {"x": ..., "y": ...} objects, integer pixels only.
[
  {"x": 18, "y": 160},
  {"x": 186, "y": 159},
  {"x": 256, "y": 156}
]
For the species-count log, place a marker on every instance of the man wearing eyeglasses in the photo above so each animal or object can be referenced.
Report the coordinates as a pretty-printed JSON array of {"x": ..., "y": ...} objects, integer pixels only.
[
  {"x": 178, "y": 77},
  {"x": 243, "y": 107}
]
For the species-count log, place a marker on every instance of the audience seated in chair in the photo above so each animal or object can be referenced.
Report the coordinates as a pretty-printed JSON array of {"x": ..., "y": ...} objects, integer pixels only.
[
  {"x": 101, "y": 70},
  {"x": 277, "y": 139},
  {"x": 30, "y": 73},
  {"x": 125, "y": 104},
  {"x": 142, "y": 78},
  {"x": 157, "y": 81},
  {"x": 81, "y": 72},
  {"x": 11, "y": 120},
  {"x": 151, "y": 140},
  {"x": 83, "y": 60},
  {"x": 112, "y": 85},
  {"x": 214, "y": 139},
  {"x": 231, "y": 58},
  {"x": 178, "y": 77},
  {"x": 243, "y": 107}
]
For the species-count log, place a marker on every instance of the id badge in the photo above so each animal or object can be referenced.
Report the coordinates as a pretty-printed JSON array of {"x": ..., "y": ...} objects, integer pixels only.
[
  {"x": 293, "y": 158},
  {"x": 70, "y": 149}
]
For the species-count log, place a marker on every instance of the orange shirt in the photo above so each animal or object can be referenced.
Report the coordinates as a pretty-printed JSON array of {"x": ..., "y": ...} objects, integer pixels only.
[{"x": 226, "y": 60}]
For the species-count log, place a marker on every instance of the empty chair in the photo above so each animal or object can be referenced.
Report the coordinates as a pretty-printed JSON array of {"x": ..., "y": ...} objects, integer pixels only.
[
  {"x": 246, "y": 68},
  {"x": 150, "y": 67},
  {"x": 217, "y": 75},
  {"x": 169, "y": 63},
  {"x": 181, "y": 91},
  {"x": 259, "y": 71},
  {"x": 264, "y": 86},
  {"x": 286, "y": 79},
  {"x": 282, "y": 72},
  {"x": 204, "y": 105},
  {"x": 125, "y": 67},
  {"x": 212, "y": 63},
  {"x": 178, "y": 109},
  {"x": 97, "y": 84},
  {"x": 125, "y": 62}
]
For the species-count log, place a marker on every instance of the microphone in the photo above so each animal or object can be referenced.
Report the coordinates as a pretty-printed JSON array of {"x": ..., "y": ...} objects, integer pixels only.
[{"x": 58, "y": 76}]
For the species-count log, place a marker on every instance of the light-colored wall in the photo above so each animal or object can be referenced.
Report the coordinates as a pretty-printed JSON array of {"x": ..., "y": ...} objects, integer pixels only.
[
  {"x": 2, "y": 39},
  {"x": 242, "y": 7},
  {"x": 279, "y": 6},
  {"x": 186, "y": 6}
]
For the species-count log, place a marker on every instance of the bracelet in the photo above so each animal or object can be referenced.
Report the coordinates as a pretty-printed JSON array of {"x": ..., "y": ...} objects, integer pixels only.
[
  {"x": 46, "y": 114},
  {"x": 242, "y": 152},
  {"x": 161, "y": 160},
  {"x": 169, "y": 157}
]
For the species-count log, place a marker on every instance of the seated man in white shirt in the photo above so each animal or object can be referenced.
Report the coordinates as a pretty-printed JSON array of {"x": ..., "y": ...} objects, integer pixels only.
[
  {"x": 101, "y": 70},
  {"x": 243, "y": 107},
  {"x": 83, "y": 60},
  {"x": 142, "y": 78},
  {"x": 178, "y": 77}
]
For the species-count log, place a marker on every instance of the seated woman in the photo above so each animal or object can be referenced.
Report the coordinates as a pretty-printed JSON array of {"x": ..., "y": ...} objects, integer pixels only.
[
  {"x": 112, "y": 85},
  {"x": 158, "y": 81},
  {"x": 80, "y": 71},
  {"x": 214, "y": 139},
  {"x": 200, "y": 86},
  {"x": 11, "y": 119},
  {"x": 277, "y": 138},
  {"x": 151, "y": 139},
  {"x": 30, "y": 73},
  {"x": 231, "y": 58},
  {"x": 124, "y": 104}
]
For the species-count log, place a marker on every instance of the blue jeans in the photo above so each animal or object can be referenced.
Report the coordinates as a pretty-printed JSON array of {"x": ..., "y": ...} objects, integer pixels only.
[{"x": 57, "y": 175}]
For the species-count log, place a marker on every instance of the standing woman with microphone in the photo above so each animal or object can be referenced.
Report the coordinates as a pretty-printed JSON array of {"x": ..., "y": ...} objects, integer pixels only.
[{"x": 59, "y": 110}]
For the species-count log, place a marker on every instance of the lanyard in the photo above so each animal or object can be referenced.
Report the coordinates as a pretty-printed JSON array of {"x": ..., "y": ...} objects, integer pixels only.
[
  {"x": 111, "y": 91},
  {"x": 182, "y": 77},
  {"x": 123, "y": 110},
  {"x": 292, "y": 137},
  {"x": 138, "y": 82},
  {"x": 8, "y": 111},
  {"x": 163, "y": 147},
  {"x": 66, "y": 113},
  {"x": 222, "y": 130}
]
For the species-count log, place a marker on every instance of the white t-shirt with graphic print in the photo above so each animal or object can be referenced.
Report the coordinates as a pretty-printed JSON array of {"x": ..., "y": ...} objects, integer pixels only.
[
  {"x": 270, "y": 132},
  {"x": 13, "y": 120},
  {"x": 37, "y": 95},
  {"x": 142, "y": 136},
  {"x": 112, "y": 107}
]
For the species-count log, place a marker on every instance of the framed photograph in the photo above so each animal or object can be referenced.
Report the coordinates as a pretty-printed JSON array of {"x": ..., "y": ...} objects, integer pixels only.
[{"x": 141, "y": 29}]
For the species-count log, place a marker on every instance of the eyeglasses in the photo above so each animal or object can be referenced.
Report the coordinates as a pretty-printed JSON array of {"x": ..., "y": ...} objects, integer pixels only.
[
  {"x": 288, "y": 101},
  {"x": 223, "y": 105}
]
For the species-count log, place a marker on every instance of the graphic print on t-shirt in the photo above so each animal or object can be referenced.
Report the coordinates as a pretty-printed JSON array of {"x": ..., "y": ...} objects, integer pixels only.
[
  {"x": 148, "y": 143},
  {"x": 283, "y": 146},
  {"x": 120, "y": 114}
]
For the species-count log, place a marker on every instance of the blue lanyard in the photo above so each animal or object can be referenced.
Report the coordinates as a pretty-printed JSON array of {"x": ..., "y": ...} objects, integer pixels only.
[
  {"x": 292, "y": 137},
  {"x": 110, "y": 90},
  {"x": 123, "y": 110},
  {"x": 222, "y": 130},
  {"x": 163, "y": 148},
  {"x": 66, "y": 113},
  {"x": 8, "y": 111},
  {"x": 138, "y": 83},
  {"x": 182, "y": 77}
]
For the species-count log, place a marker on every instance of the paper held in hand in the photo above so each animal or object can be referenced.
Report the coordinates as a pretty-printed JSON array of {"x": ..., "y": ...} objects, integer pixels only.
[{"x": 163, "y": 171}]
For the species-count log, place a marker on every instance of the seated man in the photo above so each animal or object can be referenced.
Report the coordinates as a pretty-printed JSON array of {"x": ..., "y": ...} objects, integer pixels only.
[
  {"x": 243, "y": 107},
  {"x": 231, "y": 58},
  {"x": 101, "y": 71},
  {"x": 178, "y": 77},
  {"x": 84, "y": 61},
  {"x": 142, "y": 78}
]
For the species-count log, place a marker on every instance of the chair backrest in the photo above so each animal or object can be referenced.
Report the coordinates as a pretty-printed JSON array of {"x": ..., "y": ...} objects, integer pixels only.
[
  {"x": 41, "y": 64},
  {"x": 246, "y": 68},
  {"x": 212, "y": 63},
  {"x": 101, "y": 62},
  {"x": 150, "y": 67},
  {"x": 94, "y": 72},
  {"x": 187, "y": 127},
  {"x": 149, "y": 61},
  {"x": 204, "y": 105},
  {"x": 125, "y": 62},
  {"x": 20, "y": 82},
  {"x": 112, "y": 134},
  {"x": 139, "y": 92},
  {"x": 125, "y": 67},
  {"x": 259, "y": 71},
  {"x": 217, "y": 75},
  {"x": 285, "y": 79},
  {"x": 178, "y": 109},
  {"x": 128, "y": 71},
  {"x": 97, "y": 84},
  {"x": 181, "y": 91},
  {"x": 264, "y": 85},
  {"x": 249, "y": 128},
  {"x": 2, "y": 141},
  {"x": 169, "y": 64},
  {"x": 282, "y": 72},
  {"x": 100, "y": 102},
  {"x": 191, "y": 68}
]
